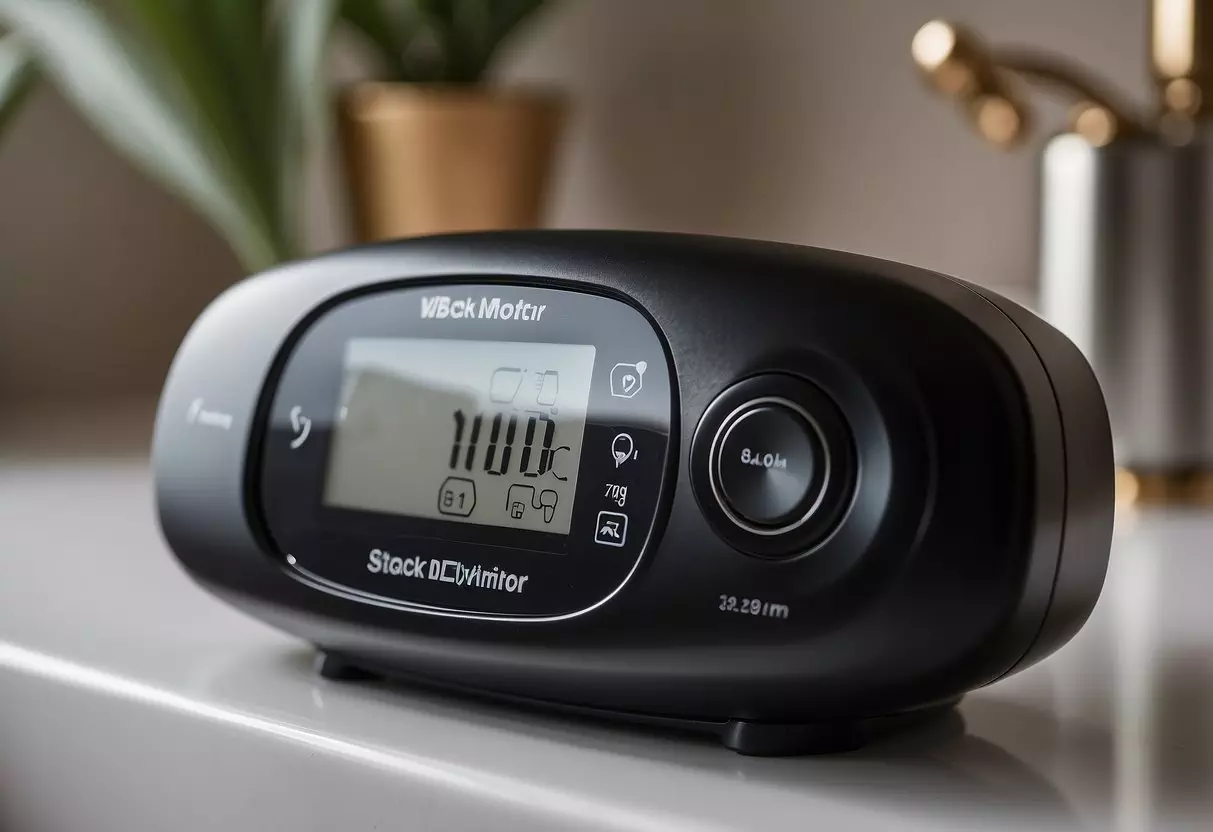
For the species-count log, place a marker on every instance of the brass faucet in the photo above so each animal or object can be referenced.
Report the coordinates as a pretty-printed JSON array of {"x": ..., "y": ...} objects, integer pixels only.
[{"x": 988, "y": 82}]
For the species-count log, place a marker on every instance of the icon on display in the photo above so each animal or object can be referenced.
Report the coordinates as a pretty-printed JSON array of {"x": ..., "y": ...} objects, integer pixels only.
[
  {"x": 617, "y": 494},
  {"x": 301, "y": 426},
  {"x": 623, "y": 449},
  {"x": 457, "y": 496},
  {"x": 520, "y": 497},
  {"x": 507, "y": 381},
  {"x": 552, "y": 464},
  {"x": 627, "y": 379},
  {"x": 611, "y": 528},
  {"x": 547, "y": 384},
  {"x": 504, "y": 384}
]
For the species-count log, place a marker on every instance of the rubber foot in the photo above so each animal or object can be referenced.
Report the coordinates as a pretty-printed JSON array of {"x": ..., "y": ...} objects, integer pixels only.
[
  {"x": 338, "y": 669},
  {"x": 764, "y": 739}
]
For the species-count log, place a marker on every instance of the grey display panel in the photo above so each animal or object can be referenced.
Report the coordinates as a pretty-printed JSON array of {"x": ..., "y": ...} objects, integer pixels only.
[{"x": 485, "y": 432}]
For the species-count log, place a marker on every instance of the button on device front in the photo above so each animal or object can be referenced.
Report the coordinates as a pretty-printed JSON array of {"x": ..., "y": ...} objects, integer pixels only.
[
  {"x": 773, "y": 465},
  {"x": 769, "y": 459}
]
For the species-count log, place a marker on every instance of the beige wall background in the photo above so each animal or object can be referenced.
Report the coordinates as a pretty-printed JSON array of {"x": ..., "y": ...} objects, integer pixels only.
[{"x": 796, "y": 120}]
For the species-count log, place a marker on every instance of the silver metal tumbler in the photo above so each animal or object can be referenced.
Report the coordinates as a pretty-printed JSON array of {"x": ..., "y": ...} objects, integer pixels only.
[{"x": 1126, "y": 270}]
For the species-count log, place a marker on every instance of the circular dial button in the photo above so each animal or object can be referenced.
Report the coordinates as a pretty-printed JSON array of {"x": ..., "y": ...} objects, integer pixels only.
[
  {"x": 773, "y": 465},
  {"x": 770, "y": 464}
]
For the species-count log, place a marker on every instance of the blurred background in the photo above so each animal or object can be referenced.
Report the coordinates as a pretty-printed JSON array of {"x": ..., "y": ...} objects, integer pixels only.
[{"x": 795, "y": 120}]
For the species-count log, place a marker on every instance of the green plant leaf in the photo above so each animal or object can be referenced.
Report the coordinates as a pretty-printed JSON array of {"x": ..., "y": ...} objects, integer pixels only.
[
  {"x": 456, "y": 26},
  {"x": 507, "y": 16},
  {"x": 213, "y": 49},
  {"x": 472, "y": 32},
  {"x": 142, "y": 107},
  {"x": 17, "y": 74},
  {"x": 390, "y": 34},
  {"x": 304, "y": 115},
  {"x": 235, "y": 37},
  {"x": 468, "y": 25},
  {"x": 453, "y": 41}
]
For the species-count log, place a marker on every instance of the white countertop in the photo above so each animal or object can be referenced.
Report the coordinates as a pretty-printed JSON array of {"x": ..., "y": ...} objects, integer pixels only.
[{"x": 131, "y": 699}]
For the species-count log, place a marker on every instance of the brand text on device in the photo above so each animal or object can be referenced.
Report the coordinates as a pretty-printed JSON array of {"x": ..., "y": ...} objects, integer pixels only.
[
  {"x": 380, "y": 561},
  {"x": 443, "y": 306}
]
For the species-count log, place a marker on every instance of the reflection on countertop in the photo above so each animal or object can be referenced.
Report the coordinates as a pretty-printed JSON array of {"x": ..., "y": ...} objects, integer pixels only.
[{"x": 117, "y": 670}]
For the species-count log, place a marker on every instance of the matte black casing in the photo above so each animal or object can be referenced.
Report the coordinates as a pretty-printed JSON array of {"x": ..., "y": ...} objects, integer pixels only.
[{"x": 976, "y": 544}]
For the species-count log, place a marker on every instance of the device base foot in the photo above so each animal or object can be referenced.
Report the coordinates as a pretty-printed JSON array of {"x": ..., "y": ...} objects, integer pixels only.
[
  {"x": 759, "y": 739},
  {"x": 338, "y": 669},
  {"x": 766, "y": 739}
]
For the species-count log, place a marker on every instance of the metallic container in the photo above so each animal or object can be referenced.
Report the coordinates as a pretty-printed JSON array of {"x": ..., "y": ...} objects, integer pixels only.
[{"x": 1126, "y": 269}]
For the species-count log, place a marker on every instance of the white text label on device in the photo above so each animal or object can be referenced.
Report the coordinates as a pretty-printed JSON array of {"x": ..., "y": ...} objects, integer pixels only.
[
  {"x": 443, "y": 306},
  {"x": 382, "y": 562}
]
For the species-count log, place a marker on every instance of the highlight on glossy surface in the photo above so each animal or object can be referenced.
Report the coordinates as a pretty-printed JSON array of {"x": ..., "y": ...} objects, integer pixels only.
[
  {"x": 1068, "y": 271},
  {"x": 1182, "y": 94},
  {"x": 1094, "y": 123},
  {"x": 933, "y": 44},
  {"x": 998, "y": 120},
  {"x": 951, "y": 60},
  {"x": 1172, "y": 42},
  {"x": 1192, "y": 488}
]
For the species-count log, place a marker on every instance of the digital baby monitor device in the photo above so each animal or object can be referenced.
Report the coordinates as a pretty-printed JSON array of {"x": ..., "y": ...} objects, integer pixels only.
[{"x": 781, "y": 494}]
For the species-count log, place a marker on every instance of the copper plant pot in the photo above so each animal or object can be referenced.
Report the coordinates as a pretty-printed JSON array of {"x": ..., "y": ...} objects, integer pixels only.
[{"x": 432, "y": 159}]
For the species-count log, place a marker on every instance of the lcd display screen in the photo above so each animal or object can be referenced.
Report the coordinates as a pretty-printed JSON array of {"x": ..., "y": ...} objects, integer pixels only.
[{"x": 485, "y": 432}]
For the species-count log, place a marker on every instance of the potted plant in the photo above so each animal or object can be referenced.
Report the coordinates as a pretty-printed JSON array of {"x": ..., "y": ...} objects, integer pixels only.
[
  {"x": 431, "y": 147},
  {"x": 217, "y": 100}
]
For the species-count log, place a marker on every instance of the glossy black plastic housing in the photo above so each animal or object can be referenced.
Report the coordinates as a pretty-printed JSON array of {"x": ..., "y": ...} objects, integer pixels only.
[{"x": 975, "y": 542}]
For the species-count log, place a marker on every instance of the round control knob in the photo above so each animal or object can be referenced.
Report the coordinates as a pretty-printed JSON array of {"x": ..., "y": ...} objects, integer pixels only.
[
  {"x": 773, "y": 465},
  {"x": 770, "y": 463}
]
